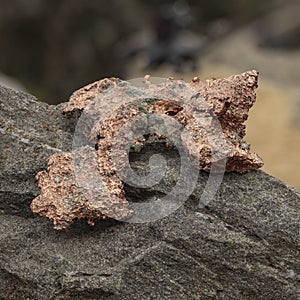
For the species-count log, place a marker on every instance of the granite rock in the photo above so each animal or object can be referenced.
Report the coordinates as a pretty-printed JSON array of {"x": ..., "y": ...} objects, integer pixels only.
[
  {"x": 242, "y": 245},
  {"x": 30, "y": 132}
]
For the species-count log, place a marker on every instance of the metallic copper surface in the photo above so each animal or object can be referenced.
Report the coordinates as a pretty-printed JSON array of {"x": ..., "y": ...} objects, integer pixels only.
[{"x": 225, "y": 101}]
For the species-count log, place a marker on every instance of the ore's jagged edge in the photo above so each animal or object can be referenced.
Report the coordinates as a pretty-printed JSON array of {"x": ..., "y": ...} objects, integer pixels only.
[
  {"x": 61, "y": 199},
  {"x": 230, "y": 99},
  {"x": 81, "y": 98}
]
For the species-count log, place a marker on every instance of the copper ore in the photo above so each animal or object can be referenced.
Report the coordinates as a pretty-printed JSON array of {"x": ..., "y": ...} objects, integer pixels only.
[
  {"x": 61, "y": 198},
  {"x": 230, "y": 99}
]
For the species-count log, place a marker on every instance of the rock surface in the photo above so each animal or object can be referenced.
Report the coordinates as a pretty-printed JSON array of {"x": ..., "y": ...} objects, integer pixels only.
[
  {"x": 30, "y": 132},
  {"x": 243, "y": 245}
]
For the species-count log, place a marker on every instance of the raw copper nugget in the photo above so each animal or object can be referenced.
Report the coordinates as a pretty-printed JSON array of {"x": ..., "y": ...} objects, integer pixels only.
[{"x": 63, "y": 201}]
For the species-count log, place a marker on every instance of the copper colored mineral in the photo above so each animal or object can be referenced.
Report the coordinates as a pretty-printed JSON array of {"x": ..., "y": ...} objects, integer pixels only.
[{"x": 226, "y": 101}]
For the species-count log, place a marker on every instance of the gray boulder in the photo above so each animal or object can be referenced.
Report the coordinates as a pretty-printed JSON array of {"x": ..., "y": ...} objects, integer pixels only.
[{"x": 242, "y": 245}]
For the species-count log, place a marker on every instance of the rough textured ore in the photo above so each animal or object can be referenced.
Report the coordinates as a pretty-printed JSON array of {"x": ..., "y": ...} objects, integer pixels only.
[
  {"x": 221, "y": 104},
  {"x": 243, "y": 245}
]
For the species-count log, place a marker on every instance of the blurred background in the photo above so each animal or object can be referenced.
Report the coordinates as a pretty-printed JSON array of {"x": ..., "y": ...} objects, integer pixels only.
[{"x": 52, "y": 47}]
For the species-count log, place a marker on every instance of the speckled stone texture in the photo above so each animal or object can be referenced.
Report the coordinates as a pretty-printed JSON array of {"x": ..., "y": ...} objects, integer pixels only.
[
  {"x": 243, "y": 245},
  {"x": 30, "y": 132}
]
